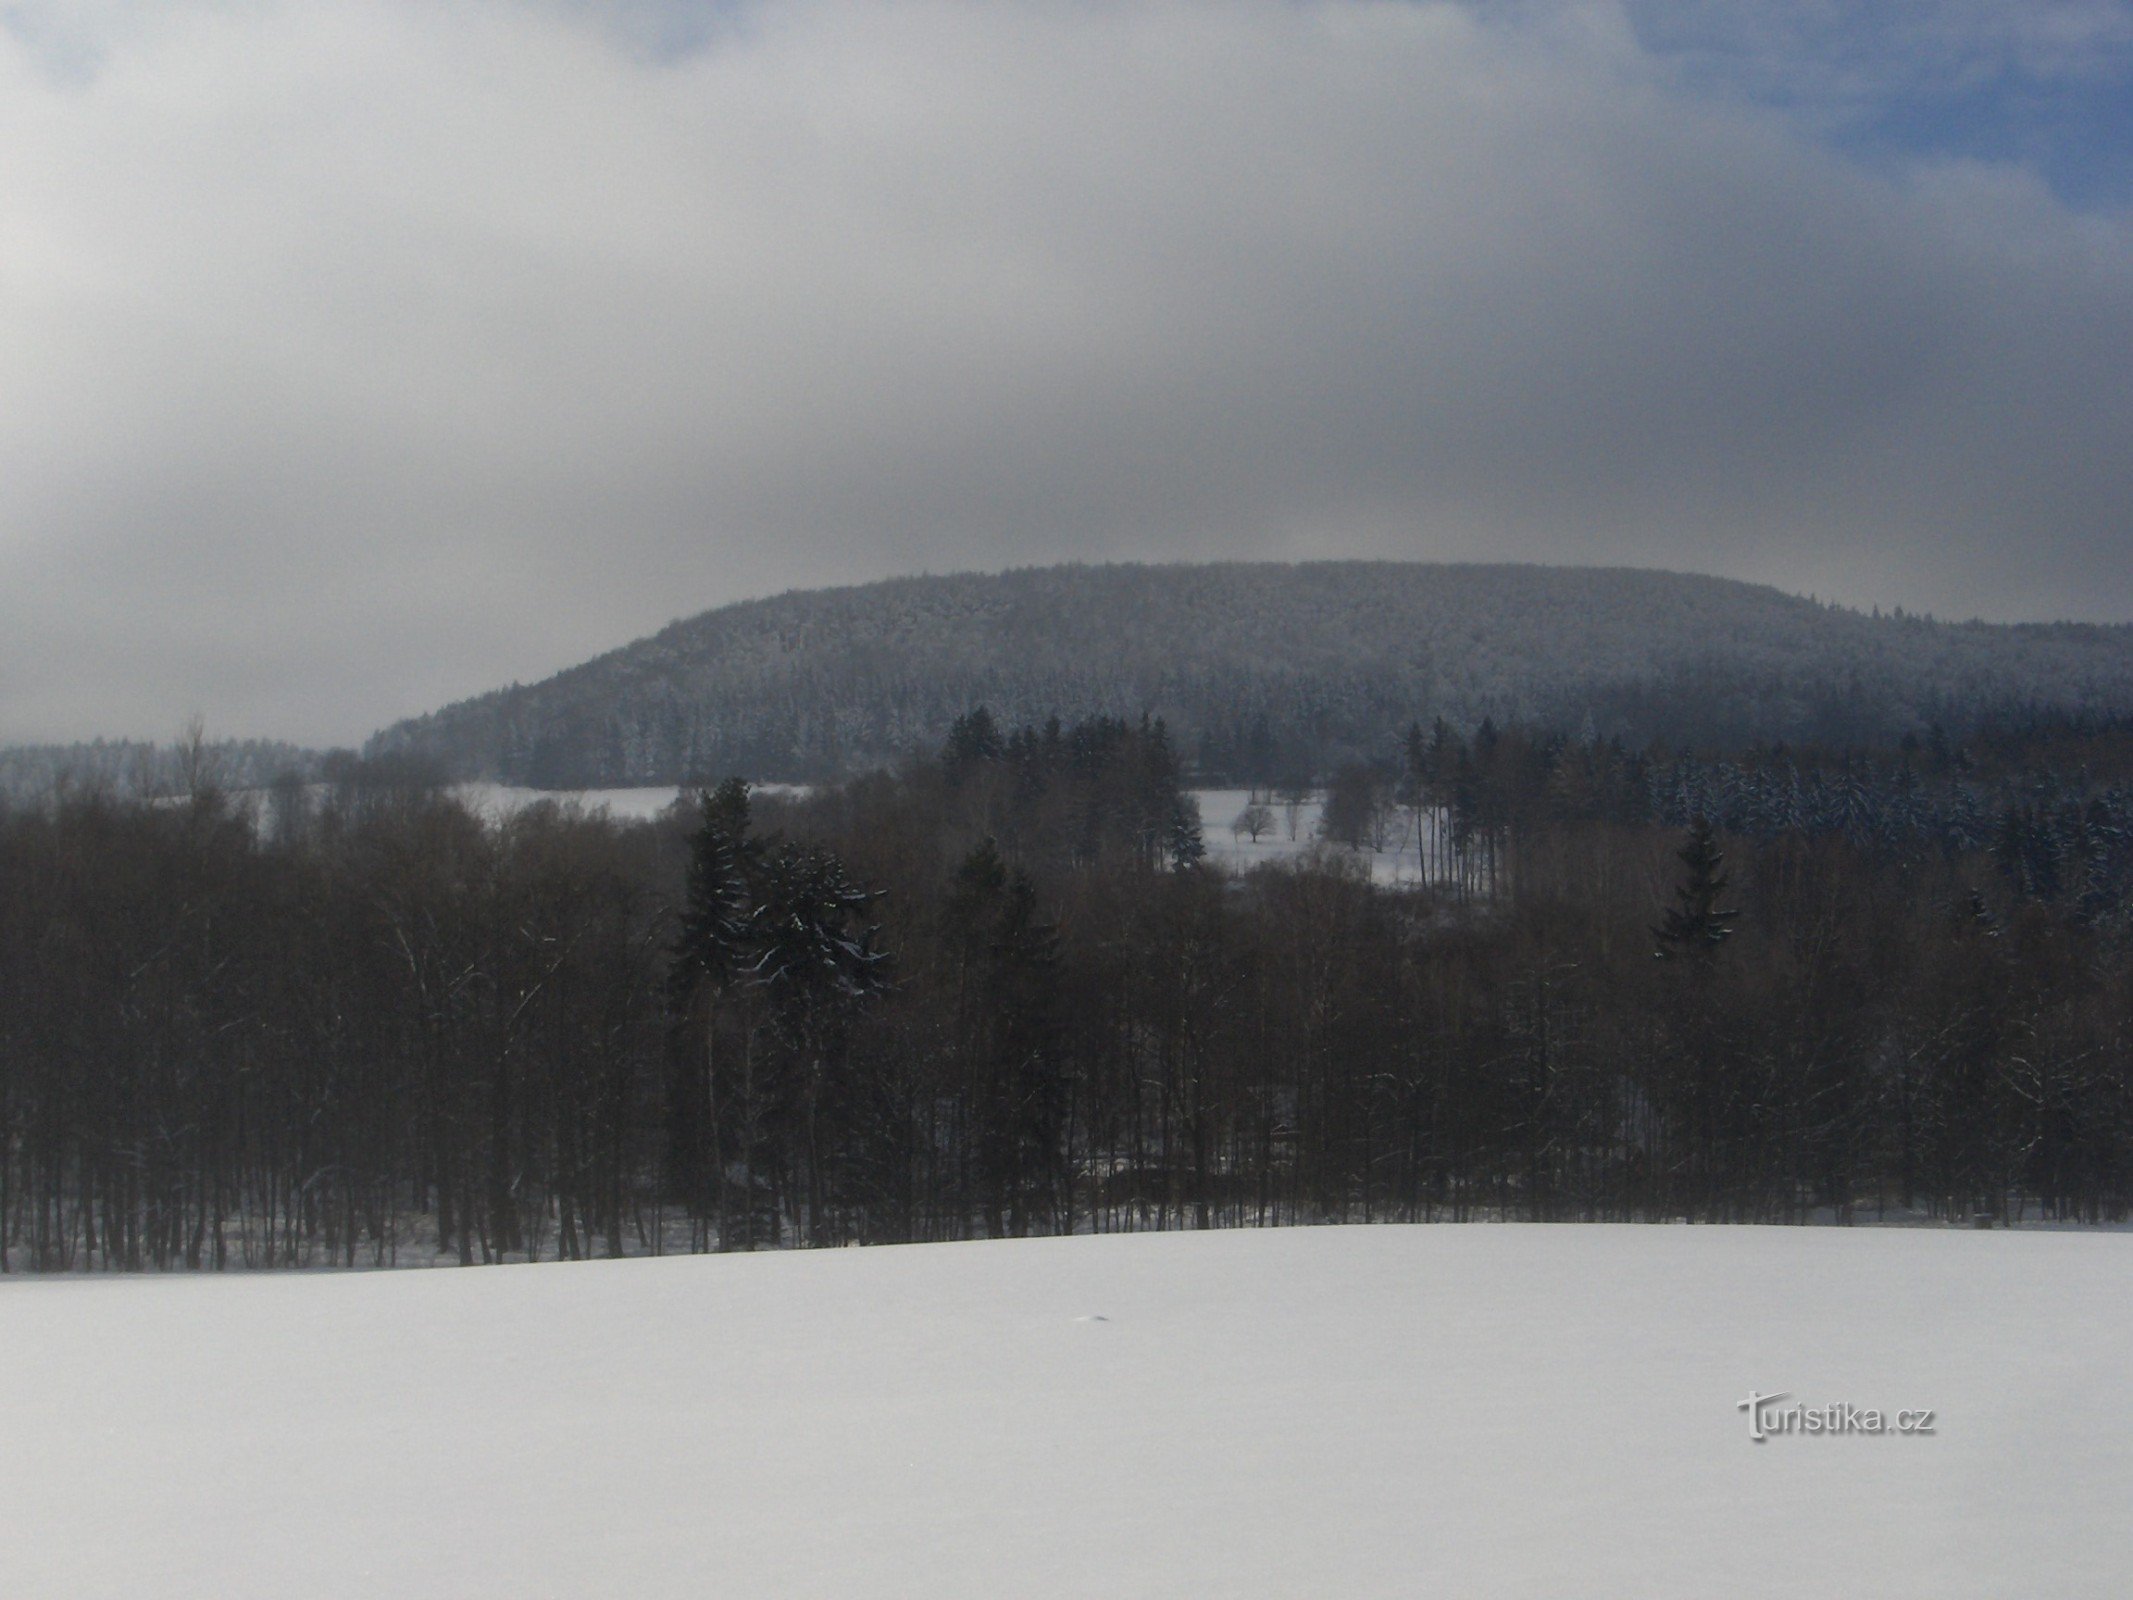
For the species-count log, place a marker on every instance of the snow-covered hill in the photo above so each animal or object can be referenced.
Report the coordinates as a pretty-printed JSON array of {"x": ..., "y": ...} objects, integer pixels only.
[
  {"x": 1327, "y": 1413},
  {"x": 1264, "y": 671}
]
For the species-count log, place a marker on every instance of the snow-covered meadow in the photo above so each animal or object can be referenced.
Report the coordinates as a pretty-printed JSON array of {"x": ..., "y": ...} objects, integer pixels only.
[
  {"x": 1285, "y": 838},
  {"x": 1395, "y": 1411},
  {"x": 497, "y": 801},
  {"x": 1294, "y": 831}
]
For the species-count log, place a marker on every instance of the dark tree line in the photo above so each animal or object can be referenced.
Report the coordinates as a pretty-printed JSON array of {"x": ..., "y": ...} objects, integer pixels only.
[
  {"x": 999, "y": 992},
  {"x": 225, "y": 1045}
]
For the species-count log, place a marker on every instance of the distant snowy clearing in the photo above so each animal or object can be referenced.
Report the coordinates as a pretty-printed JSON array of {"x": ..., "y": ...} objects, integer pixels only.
[
  {"x": 500, "y": 800},
  {"x": 1326, "y": 1412},
  {"x": 1293, "y": 831},
  {"x": 1289, "y": 833}
]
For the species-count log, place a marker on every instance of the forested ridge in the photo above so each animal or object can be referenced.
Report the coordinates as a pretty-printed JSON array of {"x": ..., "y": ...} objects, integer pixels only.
[
  {"x": 999, "y": 990},
  {"x": 1261, "y": 670}
]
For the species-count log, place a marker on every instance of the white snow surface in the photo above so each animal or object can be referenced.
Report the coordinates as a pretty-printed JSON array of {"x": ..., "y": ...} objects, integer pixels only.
[
  {"x": 1400, "y": 861},
  {"x": 1218, "y": 810},
  {"x": 1329, "y": 1412},
  {"x": 498, "y": 801}
]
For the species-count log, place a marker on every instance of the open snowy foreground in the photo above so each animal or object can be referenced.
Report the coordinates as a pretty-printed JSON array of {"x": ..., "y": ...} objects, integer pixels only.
[{"x": 1316, "y": 1412}]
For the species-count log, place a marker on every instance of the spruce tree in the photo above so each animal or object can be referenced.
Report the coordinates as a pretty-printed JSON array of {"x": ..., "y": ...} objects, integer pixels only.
[
  {"x": 715, "y": 943},
  {"x": 719, "y": 908},
  {"x": 1188, "y": 848},
  {"x": 974, "y": 738},
  {"x": 1696, "y": 924},
  {"x": 816, "y": 963}
]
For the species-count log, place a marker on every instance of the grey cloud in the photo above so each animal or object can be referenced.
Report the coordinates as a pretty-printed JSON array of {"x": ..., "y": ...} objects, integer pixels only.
[{"x": 356, "y": 357}]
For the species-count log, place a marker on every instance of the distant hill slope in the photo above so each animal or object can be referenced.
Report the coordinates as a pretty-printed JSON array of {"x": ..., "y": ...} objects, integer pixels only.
[{"x": 1260, "y": 669}]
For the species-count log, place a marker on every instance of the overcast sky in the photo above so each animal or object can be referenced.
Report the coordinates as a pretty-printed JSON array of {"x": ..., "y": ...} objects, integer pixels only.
[{"x": 355, "y": 357}]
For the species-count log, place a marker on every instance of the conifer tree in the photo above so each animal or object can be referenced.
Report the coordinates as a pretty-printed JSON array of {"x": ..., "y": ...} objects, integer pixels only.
[
  {"x": 973, "y": 738},
  {"x": 719, "y": 909},
  {"x": 1010, "y": 1030},
  {"x": 1696, "y": 924},
  {"x": 816, "y": 962},
  {"x": 719, "y": 918},
  {"x": 1188, "y": 848}
]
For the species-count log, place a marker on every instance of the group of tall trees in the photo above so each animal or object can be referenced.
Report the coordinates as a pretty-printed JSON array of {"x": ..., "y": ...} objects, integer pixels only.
[
  {"x": 228, "y": 1043},
  {"x": 773, "y": 957},
  {"x": 999, "y": 990}
]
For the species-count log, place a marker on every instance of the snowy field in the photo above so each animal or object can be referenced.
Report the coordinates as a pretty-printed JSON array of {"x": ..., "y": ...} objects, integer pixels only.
[
  {"x": 1398, "y": 863},
  {"x": 499, "y": 800},
  {"x": 1463, "y": 1411}
]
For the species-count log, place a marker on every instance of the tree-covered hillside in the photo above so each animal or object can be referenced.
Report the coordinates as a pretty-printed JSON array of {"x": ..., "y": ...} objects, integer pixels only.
[{"x": 1260, "y": 670}]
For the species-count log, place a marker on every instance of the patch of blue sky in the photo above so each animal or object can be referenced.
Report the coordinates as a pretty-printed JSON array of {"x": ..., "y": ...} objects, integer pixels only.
[
  {"x": 2078, "y": 137},
  {"x": 2046, "y": 85},
  {"x": 69, "y": 51},
  {"x": 668, "y": 30}
]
